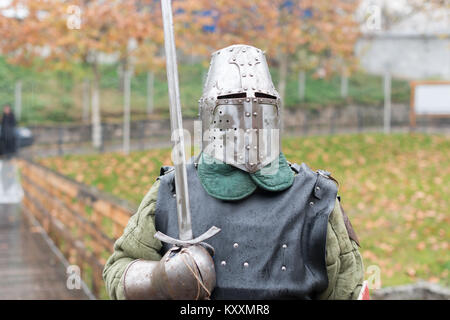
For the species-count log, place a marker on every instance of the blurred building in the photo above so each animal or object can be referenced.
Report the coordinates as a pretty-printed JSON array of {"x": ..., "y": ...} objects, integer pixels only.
[{"x": 416, "y": 46}]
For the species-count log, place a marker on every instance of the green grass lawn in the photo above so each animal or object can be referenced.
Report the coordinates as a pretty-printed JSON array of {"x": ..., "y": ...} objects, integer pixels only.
[
  {"x": 56, "y": 97},
  {"x": 395, "y": 189}
]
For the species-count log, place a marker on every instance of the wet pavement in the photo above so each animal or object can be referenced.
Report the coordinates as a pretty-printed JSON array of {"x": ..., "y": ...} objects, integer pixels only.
[
  {"x": 10, "y": 188},
  {"x": 29, "y": 267}
]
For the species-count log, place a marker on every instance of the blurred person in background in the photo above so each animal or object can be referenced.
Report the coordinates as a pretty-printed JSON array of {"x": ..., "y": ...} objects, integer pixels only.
[{"x": 7, "y": 137}]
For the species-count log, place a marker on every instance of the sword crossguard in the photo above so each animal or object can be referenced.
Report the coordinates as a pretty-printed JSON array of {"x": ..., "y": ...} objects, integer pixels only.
[{"x": 184, "y": 243}]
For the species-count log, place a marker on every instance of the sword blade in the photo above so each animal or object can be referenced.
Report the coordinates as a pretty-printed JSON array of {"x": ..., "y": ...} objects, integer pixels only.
[{"x": 183, "y": 210}]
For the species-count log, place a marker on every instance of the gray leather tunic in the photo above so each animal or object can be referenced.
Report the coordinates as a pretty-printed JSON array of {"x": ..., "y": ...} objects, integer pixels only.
[{"x": 272, "y": 244}]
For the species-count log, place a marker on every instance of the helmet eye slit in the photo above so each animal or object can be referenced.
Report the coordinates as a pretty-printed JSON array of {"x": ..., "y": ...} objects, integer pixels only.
[
  {"x": 233, "y": 96},
  {"x": 264, "y": 95}
]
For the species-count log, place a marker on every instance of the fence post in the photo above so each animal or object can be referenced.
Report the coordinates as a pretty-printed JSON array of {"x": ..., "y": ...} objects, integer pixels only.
[
  {"x": 330, "y": 123},
  {"x": 333, "y": 115},
  {"x": 305, "y": 124},
  {"x": 85, "y": 116},
  {"x": 18, "y": 99},
  {"x": 150, "y": 92},
  {"x": 387, "y": 102},
  {"x": 360, "y": 119},
  {"x": 96, "y": 132},
  {"x": 301, "y": 85},
  {"x": 126, "y": 111},
  {"x": 60, "y": 141},
  {"x": 101, "y": 148},
  {"x": 344, "y": 85}
]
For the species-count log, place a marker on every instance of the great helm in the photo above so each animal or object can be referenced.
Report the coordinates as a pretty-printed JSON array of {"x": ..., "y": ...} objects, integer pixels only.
[{"x": 240, "y": 109}]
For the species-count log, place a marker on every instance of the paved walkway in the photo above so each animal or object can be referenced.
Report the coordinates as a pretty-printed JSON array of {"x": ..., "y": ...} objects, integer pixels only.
[{"x": 29, "y": 267}]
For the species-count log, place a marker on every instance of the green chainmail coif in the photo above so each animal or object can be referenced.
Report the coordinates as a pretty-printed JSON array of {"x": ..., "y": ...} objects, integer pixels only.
[{"x": 225, "y": 182}]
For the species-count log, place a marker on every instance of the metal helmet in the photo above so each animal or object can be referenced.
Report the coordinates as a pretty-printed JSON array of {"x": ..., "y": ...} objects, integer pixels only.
[{"x": 240, "y": 109}]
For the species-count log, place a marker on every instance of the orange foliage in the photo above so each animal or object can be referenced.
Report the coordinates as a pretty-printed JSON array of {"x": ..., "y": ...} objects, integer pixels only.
[
  {"x": 311, "y": 33},
  {"x": 106, "y": 27}
]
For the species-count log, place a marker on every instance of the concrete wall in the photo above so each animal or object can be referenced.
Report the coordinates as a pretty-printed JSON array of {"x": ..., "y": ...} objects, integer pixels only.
[{"x": 322, "y": 121}]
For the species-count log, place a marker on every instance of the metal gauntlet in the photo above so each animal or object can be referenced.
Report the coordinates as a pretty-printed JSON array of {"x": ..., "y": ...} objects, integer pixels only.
[{"x": 183, "y": 273}]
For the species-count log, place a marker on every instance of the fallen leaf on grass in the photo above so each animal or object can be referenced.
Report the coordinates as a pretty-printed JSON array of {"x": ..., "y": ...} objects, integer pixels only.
[
  {"x": 433, "y": 280},
  {"x": 411, "y": 272},
  {"x": 420, "y": 246}
]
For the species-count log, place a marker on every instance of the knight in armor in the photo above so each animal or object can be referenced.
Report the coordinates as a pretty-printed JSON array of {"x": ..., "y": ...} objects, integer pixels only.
[{"x": 284, "y": 234}]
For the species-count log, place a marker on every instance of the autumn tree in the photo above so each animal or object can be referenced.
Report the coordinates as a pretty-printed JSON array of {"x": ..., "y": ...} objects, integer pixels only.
[
  {"x": 334, "y": 30},
  {"x": 149, "y": 55},
  {"x": 298, "y": 35},
  {"x": 80, "y": 32}
]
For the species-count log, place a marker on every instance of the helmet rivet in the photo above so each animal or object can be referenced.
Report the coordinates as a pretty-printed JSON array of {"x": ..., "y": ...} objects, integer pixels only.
[
  {"x": 251, "y": 75},
  {"x": 249, "y": 63},
  {"x": 245, "y": 88},
  {"x": 248, "y": 130},
  {"x": 226, "y": 101},
  {"x": 246, "y": 264},
  {"x": 235, "y": 245},
  {"x": 255, "y": 147},
  {"x": 244, "y": 75},
  {"x": 234, "y": 59},
  {"x": 247, "y": 114},
  {"x": 223, "y": 263},
  {"x": 255, "y": 113},
  {"x": 283, "y": 268},
  {"x": 247, "y": 147},
  {"x": 252, "y": 164},
  {"x": 284, "y": 246},
  {"x": 311, "y": 203},
  {"x": 254, "y": 100},
  {"x": 248, "y": 99}
]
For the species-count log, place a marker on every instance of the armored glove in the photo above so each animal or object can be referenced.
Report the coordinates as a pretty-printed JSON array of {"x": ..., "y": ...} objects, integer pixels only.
[{"x": 183, "y": 273}]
